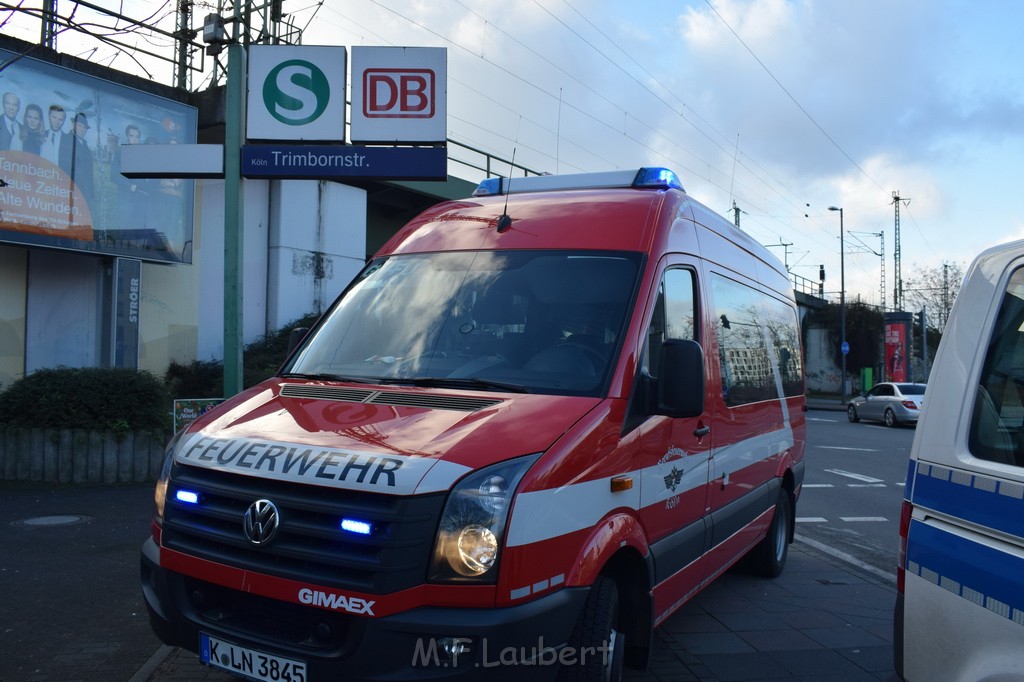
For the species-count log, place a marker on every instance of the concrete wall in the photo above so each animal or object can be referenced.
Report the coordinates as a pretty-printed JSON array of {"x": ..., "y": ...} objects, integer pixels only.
[
  {"x": 303, "y": 243},
  {"x": 317, "y": 245},
  {"x": 13, "y": 285},
  {"x": 64, "y": 310}
]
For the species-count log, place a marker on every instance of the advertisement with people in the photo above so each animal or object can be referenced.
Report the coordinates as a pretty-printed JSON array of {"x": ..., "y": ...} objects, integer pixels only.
[
  {"x": 896, "y": 351},
  {"x": 61, "y": 186}
]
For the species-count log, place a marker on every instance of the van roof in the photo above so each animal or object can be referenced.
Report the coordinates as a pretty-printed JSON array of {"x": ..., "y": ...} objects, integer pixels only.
[{"x": 617, "y": 210}]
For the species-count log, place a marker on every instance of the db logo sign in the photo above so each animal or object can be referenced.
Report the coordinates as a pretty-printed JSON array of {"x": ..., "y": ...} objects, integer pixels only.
[
  {"x": 398, "y": 93},
  {"x": 296, "y": 92}
]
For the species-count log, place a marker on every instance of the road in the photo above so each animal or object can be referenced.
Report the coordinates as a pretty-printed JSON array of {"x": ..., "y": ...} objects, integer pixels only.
[
  {"x": 853, "y": 489},
  {"x": 72, "y": 606}
]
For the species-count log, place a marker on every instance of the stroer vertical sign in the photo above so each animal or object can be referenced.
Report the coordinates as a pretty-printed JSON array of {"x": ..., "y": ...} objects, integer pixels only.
[{"x": 127, "y": 277}]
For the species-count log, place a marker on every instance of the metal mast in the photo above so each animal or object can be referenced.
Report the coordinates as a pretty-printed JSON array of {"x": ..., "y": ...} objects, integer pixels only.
[{"x": 897, "y": 302}]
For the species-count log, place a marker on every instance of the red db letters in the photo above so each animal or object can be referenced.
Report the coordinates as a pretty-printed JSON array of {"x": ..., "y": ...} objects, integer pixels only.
[{"x": 398, "y": 93}]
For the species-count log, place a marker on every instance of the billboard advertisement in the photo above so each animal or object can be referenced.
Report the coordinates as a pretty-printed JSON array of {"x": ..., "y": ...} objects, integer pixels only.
[
  {"x": 896, "y": 350},
  {"x": 60, "y": 180}
]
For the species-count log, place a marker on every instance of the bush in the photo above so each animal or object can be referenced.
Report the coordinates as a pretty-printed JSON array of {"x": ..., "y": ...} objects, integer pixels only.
[
  {"x": 86, "y": 398},
  {"x": 260, "y": 360},
  {"x": 127, "y": 399}
]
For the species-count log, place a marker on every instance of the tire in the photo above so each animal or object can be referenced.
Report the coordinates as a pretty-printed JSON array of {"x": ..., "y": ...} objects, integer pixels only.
[
  {"x": 851, "y": 414},
  {"x": 598, "y": 647},
  {"x": 890, "y": 418},
  {"x": 768, "y": 558}
]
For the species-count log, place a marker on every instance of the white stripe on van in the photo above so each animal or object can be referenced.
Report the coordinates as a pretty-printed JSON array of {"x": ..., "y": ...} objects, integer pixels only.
[{"x": 545, "y": 514}]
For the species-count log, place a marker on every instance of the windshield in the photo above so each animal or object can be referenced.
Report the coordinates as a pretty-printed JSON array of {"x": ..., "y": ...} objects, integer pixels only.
[
  {"x": 537, "y": 321},
  {"x": 911, "y": 389}
]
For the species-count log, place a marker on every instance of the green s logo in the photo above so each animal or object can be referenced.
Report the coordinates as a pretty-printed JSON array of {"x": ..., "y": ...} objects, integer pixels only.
[{"x": 296, "y": 92}]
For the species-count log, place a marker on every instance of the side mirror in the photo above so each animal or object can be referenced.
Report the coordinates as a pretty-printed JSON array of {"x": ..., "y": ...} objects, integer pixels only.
[
  {"x": 295, "y": 338},
  {"x": 680, "y": 389}
]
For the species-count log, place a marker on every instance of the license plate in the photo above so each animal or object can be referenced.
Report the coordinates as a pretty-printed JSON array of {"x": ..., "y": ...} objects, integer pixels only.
[{"x": 250, "y": 663}]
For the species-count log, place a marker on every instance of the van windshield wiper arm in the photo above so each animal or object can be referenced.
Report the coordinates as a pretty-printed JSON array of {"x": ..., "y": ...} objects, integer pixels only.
[
  {"x": 458, "y": 382},
  {"x": 322, "y": 376}
]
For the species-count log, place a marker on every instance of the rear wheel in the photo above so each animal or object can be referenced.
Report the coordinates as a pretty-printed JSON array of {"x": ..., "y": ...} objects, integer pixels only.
[
  {"x": 851, "y": 414},
  {"x": 890, "y": 417},
  {"x": 597, "y": 647},
  {"x": 768, "y": 558}
]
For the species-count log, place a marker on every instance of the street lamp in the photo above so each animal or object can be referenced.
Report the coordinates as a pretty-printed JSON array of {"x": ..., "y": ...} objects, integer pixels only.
[{"x": 842, "y": 298}]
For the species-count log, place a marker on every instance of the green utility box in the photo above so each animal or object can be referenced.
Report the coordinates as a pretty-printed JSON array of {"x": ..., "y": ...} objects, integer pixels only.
[{"x": 867, "y": 379}]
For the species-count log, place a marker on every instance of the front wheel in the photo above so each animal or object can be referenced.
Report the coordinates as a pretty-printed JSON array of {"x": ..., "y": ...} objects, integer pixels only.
[
  {"x": 890, "y": 418},
  {"x": 596, "y": 648},
  {"x": 768, "y": 558},
  {"x": 851, "y": 414}
]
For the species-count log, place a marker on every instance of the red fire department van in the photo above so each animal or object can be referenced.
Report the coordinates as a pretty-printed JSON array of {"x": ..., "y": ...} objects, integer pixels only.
[{"x": 537, "y": 423}]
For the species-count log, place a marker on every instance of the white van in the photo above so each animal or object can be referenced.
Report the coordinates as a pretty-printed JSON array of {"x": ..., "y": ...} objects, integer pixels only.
[{"x": 960, "y": 606}]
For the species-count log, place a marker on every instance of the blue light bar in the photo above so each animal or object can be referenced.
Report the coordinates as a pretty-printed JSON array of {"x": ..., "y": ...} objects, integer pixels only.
[
  {"x": 488, "y": 187},
  {"x": 645, "y": 178},
  {"x": 187, "y": 496},
  {"x": 657, "y": 178},
  {"x": 356, "y": 526}
]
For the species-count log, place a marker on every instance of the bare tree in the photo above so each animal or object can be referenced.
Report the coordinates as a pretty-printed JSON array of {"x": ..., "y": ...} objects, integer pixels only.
[{"x": 934, "y": 288}]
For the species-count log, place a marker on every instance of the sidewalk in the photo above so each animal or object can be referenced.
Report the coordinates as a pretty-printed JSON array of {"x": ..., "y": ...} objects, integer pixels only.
[
  {"x": 836, "y": 404},
  {"x": 819, "y": 620}
]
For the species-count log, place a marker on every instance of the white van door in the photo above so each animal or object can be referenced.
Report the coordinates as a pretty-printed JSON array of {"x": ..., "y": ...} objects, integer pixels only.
[{"x": 963, "y": 601}]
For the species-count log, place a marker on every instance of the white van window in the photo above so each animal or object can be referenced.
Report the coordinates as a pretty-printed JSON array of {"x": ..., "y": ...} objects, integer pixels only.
[
  {"x": 997, "y": 421},
  {"x": 538, "y": 321}
]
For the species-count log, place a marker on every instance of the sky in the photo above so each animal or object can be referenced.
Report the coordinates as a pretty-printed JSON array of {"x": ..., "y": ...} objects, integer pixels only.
[{"x": 780, "y": 107}]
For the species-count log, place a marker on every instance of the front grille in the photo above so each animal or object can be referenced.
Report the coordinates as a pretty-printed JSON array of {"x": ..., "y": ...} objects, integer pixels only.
[
  {"x": 309, "y": 545},
  {"x": 271, "y": 621}
]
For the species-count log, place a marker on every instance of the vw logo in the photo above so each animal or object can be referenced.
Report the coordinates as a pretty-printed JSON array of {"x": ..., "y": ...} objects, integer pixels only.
[{"x": 261, "y": 522}]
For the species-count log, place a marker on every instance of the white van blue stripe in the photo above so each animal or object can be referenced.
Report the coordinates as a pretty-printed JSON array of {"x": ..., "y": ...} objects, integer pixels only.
[
  {"x": 983, "y": 500},
  {"x": 980, "y": 574}
]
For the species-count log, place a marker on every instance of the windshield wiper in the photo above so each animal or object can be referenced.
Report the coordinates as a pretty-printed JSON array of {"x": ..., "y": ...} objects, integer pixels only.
[
  {"x": 458, "y": 382},
  {"x": 327, "y": 377}
]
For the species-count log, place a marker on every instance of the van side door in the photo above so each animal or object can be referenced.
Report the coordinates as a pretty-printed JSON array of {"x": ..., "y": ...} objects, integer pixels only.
[
  {"x": 752, "y": 419},
  {"x": 675, "y": 451}
]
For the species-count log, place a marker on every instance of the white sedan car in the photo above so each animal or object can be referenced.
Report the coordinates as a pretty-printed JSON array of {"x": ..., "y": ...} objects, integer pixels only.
[{"x": 892, "y": 403}]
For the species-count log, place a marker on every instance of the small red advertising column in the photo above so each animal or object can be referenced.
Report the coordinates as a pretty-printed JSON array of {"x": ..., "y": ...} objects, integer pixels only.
[{"x": 897, "y": 346}]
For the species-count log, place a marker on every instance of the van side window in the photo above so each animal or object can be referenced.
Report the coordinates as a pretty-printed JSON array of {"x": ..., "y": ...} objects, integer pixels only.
[
  {"x": 997, "y": 421},
  {"x": 674, "y": 314},
  {"x": 746, "y": 322},
  {"x": 784, "y": 333}
]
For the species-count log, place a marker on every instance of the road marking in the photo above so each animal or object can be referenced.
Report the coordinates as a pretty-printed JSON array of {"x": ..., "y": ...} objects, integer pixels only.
[
  {"x": 857, "y": 519},
  {"x": 889, "y": 578},
  {"x": 865, "y": 485},
  {"x": 818, "y": 485},
  {"x": 819, "y": 419},
  {"x": 811, "y": 519},
  {"x": 840, "y": 447},
  {"x": 856, "y": 477}
]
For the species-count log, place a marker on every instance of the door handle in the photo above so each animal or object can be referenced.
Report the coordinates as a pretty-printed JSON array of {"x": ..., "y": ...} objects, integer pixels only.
[{"x": 701, "y": 431}]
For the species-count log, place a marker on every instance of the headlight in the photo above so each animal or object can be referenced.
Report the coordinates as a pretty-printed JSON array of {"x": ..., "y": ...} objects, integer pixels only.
[
  {"x": 473, "y": 523},
  {"x": 160, "y": 494}
]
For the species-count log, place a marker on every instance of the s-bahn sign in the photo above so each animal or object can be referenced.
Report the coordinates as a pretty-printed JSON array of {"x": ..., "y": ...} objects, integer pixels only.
[{"x": 296, "y": 93}]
